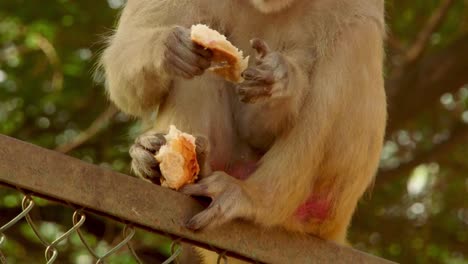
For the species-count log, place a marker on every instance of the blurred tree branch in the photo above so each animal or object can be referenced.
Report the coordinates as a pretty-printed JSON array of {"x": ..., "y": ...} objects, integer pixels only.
[
  {"x": 395, "y": 44},
  {"x": 101, "y": 122},
  {"x": 421, "y": 43},
  {"x": 441, "y": 72},
  {"x": 52, "y": 56},
  {"x": 459, "y": 135}
]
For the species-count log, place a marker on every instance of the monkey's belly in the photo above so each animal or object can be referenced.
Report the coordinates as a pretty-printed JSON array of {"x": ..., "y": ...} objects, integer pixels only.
[{"x": 316, "y": 207}]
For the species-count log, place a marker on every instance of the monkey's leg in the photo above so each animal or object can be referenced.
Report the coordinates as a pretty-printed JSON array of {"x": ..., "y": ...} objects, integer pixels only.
[
  {"x": 335, "y": 227},
  {"x": 145, "y": 148},
  {"x": 211, "y": 257},
  {"x": 190, "y": 255}
]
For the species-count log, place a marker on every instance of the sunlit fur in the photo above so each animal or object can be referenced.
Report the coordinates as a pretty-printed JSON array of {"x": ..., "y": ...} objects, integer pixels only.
[
  {"x": 327, "y": 137},
  {"x": 271, "y": 6}
]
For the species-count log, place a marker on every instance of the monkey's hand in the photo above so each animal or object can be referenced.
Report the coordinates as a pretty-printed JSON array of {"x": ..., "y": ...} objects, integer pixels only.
[
  {"x": 145, "y": 148},
  {"x": 229, "y": 200},
  {"x": 183, "y": 57},
  {"x": 268, "y": 78}
]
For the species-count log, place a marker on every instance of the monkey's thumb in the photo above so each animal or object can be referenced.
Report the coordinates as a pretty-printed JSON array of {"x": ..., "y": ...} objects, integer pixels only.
[{"x": 261, "y": 47}]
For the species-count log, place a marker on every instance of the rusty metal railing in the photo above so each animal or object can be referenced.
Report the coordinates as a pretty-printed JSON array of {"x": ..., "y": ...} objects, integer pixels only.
[{"x": 48, "y": 174}]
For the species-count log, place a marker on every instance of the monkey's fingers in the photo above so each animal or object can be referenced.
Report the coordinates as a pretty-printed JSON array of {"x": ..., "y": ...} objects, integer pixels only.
[
  {"x": 208, "y": 187},
  {"x": 261, "y": 47},
  {"x": 260, "y": 76},
  {"x": 182, "y": 35},
  {"x": 208, "y": 217},
  {"x": 198, "y": 189},
  {"x": 181, "y": 67},
  {"x": 142, "y": 156},
  {"x": 188, "y": 55},
  {"x": 144, "y": 164},
  {"x": 253, "y": 93},
  {"x": 143, "y": 151},
  {"x": 151, "y": 142}
]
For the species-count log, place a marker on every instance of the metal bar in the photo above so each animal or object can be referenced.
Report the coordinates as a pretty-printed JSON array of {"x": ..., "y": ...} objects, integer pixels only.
[{"x": 53, "y": 175}]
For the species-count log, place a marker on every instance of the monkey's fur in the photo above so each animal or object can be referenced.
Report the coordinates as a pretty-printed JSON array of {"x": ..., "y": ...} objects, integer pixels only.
[{"x": 312, "y": 108}]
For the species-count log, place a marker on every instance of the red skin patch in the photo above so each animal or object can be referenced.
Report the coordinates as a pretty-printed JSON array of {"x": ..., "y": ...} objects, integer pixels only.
[
  {"x": 242, "y": 170},
  {"x": 315, "y": 207}
]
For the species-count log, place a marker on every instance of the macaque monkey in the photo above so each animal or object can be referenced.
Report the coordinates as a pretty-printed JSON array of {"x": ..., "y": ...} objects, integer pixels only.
[{"x": 295, "y": 144}]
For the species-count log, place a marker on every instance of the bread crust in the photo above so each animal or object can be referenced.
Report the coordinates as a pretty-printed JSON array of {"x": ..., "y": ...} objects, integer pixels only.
[
  {"x": 178, "y": 160},
  {"x": 229, "y": 62}
]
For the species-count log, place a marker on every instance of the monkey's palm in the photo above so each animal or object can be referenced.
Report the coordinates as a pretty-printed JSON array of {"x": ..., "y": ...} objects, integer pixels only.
[{"x": 268, "y": 78}]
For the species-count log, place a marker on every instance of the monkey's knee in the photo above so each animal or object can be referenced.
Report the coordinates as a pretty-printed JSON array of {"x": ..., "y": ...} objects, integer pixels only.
[
  {"x": 337, "y": 236},
  {"x": 211, "y": 257},
  {"x": 190, "y": 255},
  {"x": 335, "y": 231}
]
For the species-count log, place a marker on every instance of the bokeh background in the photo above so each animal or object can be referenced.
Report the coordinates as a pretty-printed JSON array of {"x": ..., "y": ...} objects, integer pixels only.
[{"x": 417, "y": 211}]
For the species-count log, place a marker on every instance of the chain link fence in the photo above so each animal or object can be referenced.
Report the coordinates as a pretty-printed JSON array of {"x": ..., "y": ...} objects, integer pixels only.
[{"x": 77, "y": 221}]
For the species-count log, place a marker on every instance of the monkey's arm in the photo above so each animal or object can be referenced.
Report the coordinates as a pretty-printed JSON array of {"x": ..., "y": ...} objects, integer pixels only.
[
  {"x": 132, "y": 62},
  {"x": 349, "y": 78},
  {"x": 278, "y": 77},
  {"x": 140, "y": 56},
  {"x": 273, "y": 93}
]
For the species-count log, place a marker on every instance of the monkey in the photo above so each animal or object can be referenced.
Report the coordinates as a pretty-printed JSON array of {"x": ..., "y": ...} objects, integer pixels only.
[{"x": 298, "y": 142}]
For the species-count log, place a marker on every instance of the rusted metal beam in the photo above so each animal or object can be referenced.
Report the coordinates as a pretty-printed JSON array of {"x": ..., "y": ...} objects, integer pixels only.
[{"x": 63, "y": 178}]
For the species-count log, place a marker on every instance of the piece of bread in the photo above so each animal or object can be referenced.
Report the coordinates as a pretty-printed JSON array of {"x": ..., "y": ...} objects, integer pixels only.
[
  {"x": 229, "y": 62},
  {"x": 178, "y": 159}
]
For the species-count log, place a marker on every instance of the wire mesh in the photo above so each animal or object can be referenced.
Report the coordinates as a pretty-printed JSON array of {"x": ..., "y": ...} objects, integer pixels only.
[{"x": 78, "y": 219}]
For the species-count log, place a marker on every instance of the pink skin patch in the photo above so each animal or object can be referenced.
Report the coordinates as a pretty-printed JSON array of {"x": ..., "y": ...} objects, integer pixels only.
[
  {"x": 239, "y": 170},
  {"x": 242, "y": 170},
  {"x": 315, "y": 207}
]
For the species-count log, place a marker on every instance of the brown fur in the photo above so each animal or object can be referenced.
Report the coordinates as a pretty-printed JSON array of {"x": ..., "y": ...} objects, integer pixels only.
[{"x": 324, "y": 139}]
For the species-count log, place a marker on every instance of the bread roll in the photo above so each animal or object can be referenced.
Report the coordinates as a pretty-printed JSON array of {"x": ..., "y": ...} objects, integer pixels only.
[
  {"x": 178, "y": 159},
  {"x": 229, "y": 62}
]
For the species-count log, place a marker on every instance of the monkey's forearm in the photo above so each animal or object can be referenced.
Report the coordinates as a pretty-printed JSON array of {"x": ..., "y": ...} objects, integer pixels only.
[
  {"x": 136, "y": 80},
  {"x": 135, "y": 66},
  {"x": 261, "y": 122},
  {"x": 300, "y": 70}
]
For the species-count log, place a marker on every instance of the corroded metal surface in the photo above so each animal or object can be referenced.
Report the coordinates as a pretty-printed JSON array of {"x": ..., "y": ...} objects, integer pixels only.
[{"x": 63, "y": 178}]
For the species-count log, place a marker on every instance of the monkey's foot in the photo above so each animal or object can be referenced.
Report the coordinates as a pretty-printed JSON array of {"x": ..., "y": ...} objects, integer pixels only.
[
  {"x": 268, "y": 78},
  {"x": 229, "y": 200}
]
